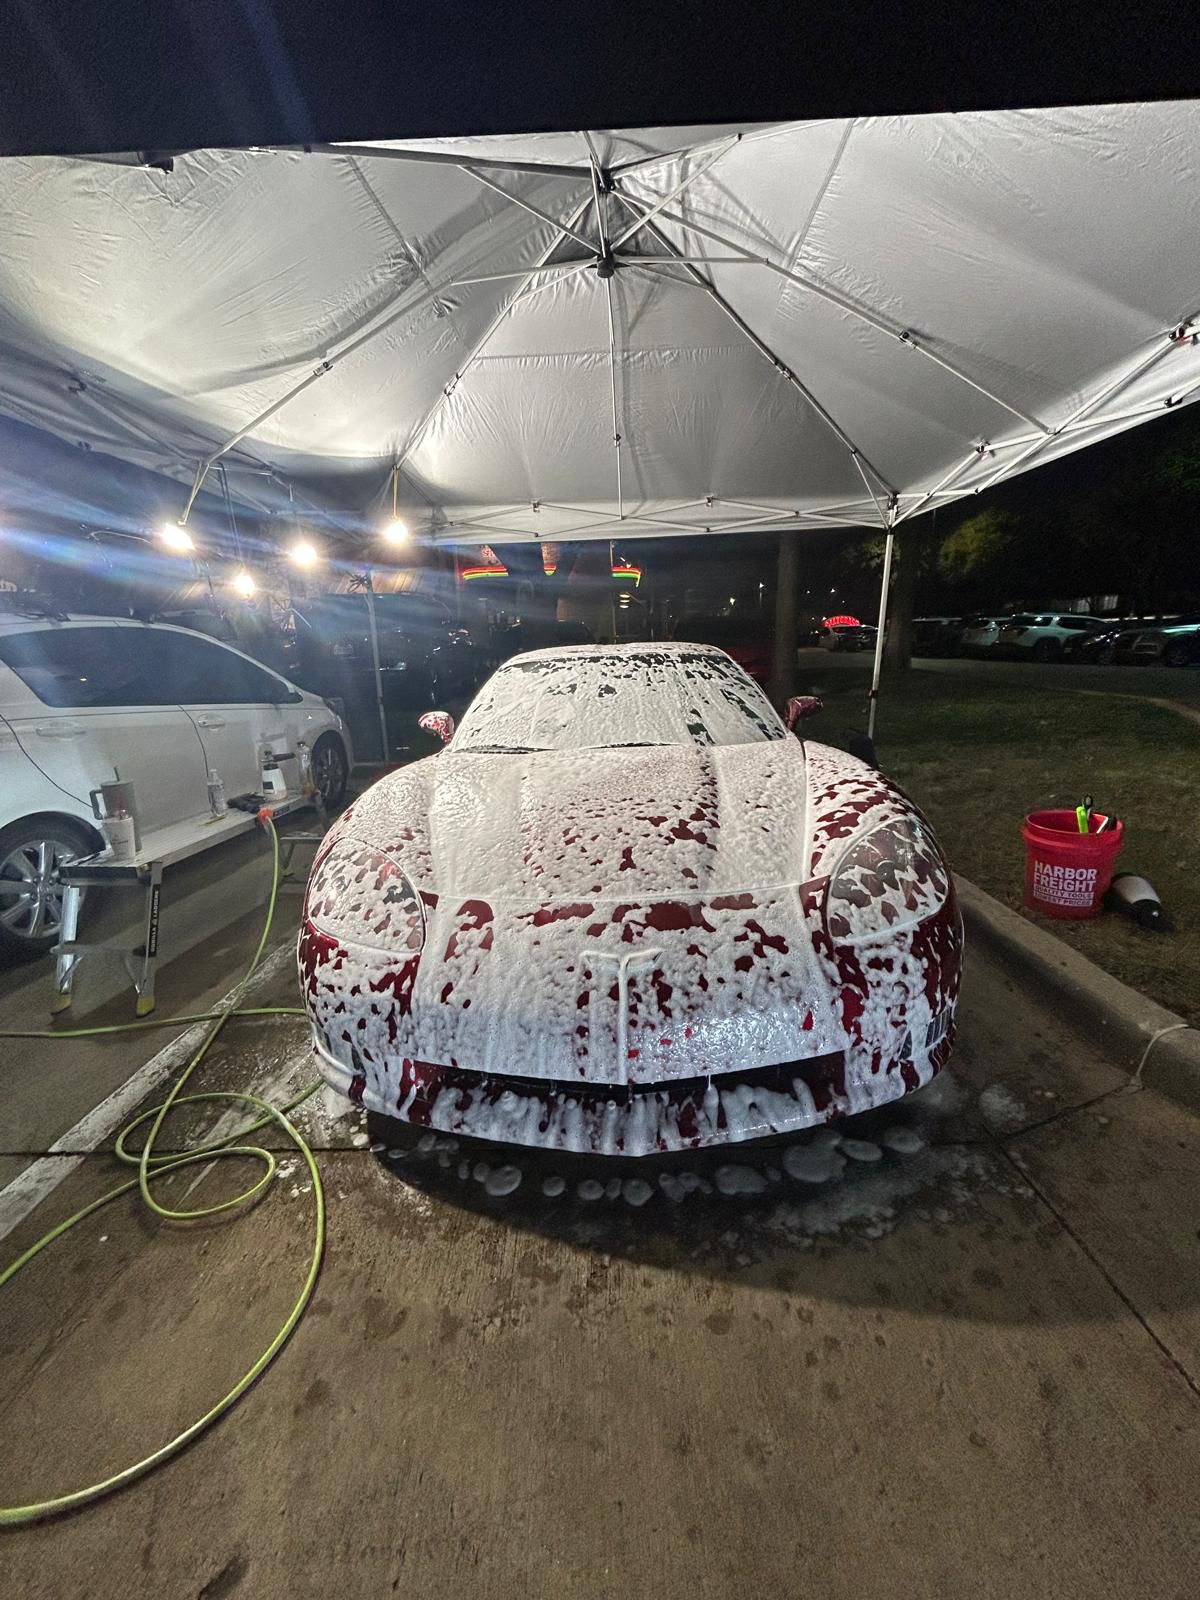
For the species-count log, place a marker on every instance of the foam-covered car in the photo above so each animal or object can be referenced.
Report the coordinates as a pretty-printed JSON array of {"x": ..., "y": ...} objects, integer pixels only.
[{"x": 626, "y": 911}]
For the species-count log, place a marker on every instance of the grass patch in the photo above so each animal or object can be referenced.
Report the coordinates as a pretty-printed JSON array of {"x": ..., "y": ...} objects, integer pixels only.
[{"x": 977, "y": 757}]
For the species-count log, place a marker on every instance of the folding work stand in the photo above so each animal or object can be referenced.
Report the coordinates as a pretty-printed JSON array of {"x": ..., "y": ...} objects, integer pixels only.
[{"x": 164, "y": 847}]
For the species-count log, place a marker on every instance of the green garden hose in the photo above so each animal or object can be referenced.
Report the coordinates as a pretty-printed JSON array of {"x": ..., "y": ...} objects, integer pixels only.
[{"x": 151, "y": 1167}]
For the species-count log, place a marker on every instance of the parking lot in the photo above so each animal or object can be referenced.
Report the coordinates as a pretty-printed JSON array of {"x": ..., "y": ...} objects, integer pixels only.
[
  {"x": 969, "y": 1370},
  {"x": 1182, "y": 685}
]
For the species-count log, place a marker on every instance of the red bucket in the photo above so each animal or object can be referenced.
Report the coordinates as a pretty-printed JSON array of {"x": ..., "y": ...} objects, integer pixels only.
[{"x": 1068, "y": 872}]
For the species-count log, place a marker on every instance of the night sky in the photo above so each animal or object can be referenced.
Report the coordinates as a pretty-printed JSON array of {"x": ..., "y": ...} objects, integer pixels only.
[
  {"x": 159, "y": 75},
  {"x": 171, "y": 74}
]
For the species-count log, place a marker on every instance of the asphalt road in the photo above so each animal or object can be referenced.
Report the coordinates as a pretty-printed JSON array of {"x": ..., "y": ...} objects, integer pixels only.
[
  {"x": 970, "y": 1371},
  {"x": 1180, "y": 684}
]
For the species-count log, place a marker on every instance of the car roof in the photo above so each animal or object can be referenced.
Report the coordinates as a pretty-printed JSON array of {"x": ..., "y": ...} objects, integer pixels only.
[
  {"x": 15, "y": 622},
  {"x": 10, "y": 625}
]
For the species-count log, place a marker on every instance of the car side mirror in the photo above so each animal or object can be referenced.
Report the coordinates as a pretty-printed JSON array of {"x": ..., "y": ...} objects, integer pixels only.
[
  {"x": 801, "y": 706},
  {"x": 438, "y": 723}
]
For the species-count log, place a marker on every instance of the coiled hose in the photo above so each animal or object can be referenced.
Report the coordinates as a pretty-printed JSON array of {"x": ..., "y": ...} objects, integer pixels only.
[{"x": 151, "y": 1167}]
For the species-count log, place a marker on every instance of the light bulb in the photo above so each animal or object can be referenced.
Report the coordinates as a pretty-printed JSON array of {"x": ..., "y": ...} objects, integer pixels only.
[
  {"x": 176, "y": 537},
  {"x": 244, "y": 584},
  {"x": 394, "y": 532},
  {"x": 304, "y": 553}
]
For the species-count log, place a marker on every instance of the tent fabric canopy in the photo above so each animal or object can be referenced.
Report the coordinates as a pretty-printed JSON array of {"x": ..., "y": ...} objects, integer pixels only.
[{"x": 575, "y": 335}]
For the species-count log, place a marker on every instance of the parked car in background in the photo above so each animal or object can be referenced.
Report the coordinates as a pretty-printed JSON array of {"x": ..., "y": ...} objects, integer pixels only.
[
  {"x": 1040, "y": 635},
  {"x": 1102, "y": 648},
  {"x": 843, "y": 636},
  {"x": 1182, "y": 646},
  {"x": 744, "y": 638},
  {"x": 1169, "y": 644},
  {"x": 936, "y": 636},
  {"x": 979, "y": 634},
  {"x": 423, "y": 656},
  {"x": 85, "y": 699},
  {"x": 535, "y": 633}
]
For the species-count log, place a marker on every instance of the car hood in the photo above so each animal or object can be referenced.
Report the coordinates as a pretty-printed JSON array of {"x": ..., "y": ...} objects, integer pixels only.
[
  {"x": 622, "y": 917},
  {"x": 552, "y": 826}
]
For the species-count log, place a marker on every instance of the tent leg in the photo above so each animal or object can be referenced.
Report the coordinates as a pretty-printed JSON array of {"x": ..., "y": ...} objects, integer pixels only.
[
  {"x": 383, "y": 733},
  {"x": 885, "y": 584},
  {"x": 783, "y": 658}
]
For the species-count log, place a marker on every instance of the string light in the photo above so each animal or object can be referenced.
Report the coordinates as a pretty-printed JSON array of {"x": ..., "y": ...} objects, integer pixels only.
[
  {"x": 395, "y": 532},
  {"x": 176, "y": 537},
  {"x": 304, "y": 553}
]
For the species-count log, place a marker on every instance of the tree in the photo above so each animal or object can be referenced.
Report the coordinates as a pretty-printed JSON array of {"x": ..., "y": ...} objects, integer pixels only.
[
  {"x": 912, "y": 558},
  {"x": 978, "y": 548}
]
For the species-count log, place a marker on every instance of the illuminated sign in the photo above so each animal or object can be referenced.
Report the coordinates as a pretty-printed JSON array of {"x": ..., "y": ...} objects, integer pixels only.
[{"x": 489, "y": 565}]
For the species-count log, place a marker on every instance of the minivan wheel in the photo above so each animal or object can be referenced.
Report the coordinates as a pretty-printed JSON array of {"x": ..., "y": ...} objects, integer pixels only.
[
  {"x": 32, "y": 855},
  {"x": 331, "y": 770}
]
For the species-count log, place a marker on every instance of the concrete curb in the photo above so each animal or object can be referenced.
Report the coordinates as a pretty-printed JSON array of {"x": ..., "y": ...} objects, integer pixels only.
[{"x": 1155, "y": 1046}]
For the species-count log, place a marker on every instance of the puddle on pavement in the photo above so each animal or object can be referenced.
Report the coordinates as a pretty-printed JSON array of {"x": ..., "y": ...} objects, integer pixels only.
[{"x": 858, "y": 1178}]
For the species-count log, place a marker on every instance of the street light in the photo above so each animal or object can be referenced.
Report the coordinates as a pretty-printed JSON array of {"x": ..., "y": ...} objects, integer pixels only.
[
  {"x": 176, "y": 537},
  {"x": 243, "y": 584}
]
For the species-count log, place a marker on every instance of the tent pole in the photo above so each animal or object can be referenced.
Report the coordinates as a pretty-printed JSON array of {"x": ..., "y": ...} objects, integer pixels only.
[
  {"x": 835, "y": 296},
  {"x": 666, "y": 200},
  {"x": 885, "y": 584},
  {"x": 383, "y": 732},
  {"x": 533, "y": 210},
  {"x": 861, "y": 461},
  {"x": 783, "y": 654}
]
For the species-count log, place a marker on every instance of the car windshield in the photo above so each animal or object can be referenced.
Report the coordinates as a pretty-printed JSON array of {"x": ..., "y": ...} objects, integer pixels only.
[{"x": 610, "y": 699}]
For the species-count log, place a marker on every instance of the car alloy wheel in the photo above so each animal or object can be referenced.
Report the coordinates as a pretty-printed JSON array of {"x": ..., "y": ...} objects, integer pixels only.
[
  {"x": 1176, "y": 654},
  {"x": 31, "y": 891},
  {"x": 329, "y": 771}
]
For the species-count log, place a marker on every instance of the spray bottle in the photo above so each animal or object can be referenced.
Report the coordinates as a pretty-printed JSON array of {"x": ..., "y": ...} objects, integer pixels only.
[
  {"x": 304, "y": 767},
  {"x": 216, "y": 793},
  {"x": 1138, "y": 898}
]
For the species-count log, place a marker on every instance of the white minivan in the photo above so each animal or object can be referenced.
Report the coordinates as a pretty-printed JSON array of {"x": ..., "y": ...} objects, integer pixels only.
[{"x": 85, "y": 699}]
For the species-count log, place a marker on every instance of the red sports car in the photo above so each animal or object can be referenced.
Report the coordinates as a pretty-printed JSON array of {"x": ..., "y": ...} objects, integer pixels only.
[{"x": 626, "y": 911}]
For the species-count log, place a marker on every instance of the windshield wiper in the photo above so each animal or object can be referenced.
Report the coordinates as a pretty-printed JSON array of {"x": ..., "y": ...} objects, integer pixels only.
[{"x": 501, "y": 749}]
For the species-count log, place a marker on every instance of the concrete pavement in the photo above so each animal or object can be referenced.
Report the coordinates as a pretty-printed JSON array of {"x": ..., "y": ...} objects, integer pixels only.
[{"x": 970, "y": 1371}]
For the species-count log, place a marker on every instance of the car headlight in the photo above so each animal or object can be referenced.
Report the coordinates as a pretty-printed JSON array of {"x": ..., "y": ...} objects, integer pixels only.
[
  {"x": 890, "y": 879},
  {"x": 359, "y": 896}
]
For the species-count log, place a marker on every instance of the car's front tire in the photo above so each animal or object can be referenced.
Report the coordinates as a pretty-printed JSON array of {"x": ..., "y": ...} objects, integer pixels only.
[
  {"x": 1177, "y": 654},
  {"x": 32, "y": 853},
  {"x": 1046, "y": 650},
  {"x": 331, "y": 770}
]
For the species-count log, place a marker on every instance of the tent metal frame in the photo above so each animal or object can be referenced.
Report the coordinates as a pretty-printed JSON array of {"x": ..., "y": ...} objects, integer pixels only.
[{"x": 884, "y": 507}]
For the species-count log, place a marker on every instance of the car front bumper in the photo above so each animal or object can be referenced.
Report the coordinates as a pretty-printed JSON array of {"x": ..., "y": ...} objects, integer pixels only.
[{"x": 616, "y": 1121}]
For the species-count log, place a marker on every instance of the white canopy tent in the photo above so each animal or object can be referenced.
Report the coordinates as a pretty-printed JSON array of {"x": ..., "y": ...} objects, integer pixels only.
[{"x": 584, "y": 335}]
